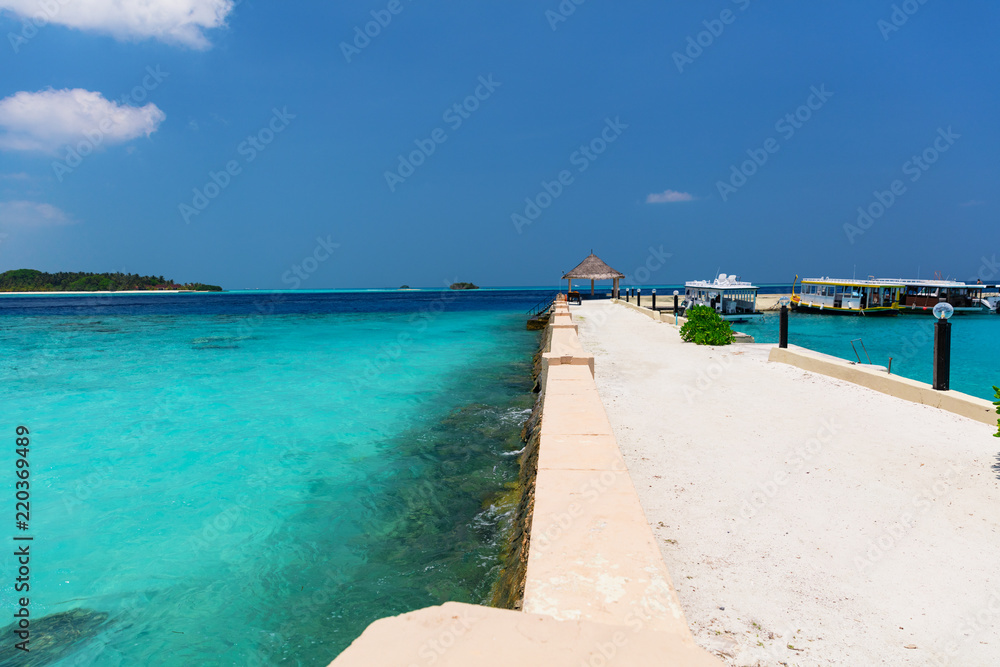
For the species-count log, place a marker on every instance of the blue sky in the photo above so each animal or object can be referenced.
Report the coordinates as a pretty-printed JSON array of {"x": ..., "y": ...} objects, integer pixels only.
[{"x": 643, "y": 129}]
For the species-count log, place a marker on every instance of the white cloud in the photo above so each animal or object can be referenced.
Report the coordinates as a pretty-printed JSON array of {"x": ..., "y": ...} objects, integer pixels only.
[
  {"x": 173, "y": 21},
  {"x": 973, "y": 202},
  {"x": 49, "y": 119},
  {"x": 668, "y": 197},
  {"x": 31, "y": 214}
]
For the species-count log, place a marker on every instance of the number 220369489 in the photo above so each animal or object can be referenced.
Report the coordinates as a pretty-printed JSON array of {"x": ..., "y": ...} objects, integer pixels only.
[{"x": 22, "y": 486}]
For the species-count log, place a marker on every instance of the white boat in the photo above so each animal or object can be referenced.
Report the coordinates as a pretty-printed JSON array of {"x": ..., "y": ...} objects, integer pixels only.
[
  {"x": 842, "y": 296},
  {"x": 990, "y": 303},
  {"x": 733, "y": 299}
]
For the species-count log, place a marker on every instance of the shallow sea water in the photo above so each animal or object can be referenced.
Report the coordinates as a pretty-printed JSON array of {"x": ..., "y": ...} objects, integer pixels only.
[
  {"x": 908, "y": 339},
  {"x": 252, "y": 479}
]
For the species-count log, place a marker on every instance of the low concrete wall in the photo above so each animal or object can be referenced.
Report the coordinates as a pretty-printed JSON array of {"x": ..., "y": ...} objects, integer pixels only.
[
  {"x": 593, "y": 555},
  {"x": 910, "y": 390},
  {"x": 465, "y": 635},
  {"x": 596, "y": 589},
  {"x": 648, "y": 312}
]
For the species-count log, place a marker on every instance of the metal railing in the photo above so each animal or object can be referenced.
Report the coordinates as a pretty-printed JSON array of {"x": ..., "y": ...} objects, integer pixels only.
[
  {"x": 542, "y": 306},
  {"x": 863, "y": 349}
]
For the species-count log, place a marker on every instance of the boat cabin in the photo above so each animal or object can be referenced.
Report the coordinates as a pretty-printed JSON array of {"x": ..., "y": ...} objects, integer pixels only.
[
  {"x": 842, "y": 296},
  {"x": 731, "y": 298},
  {"x": 920, "y": 296}
]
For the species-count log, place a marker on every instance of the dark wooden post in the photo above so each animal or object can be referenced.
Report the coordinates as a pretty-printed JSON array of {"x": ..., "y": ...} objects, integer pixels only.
[
  {"x": 942, "y": 354},
  {"x": 783, "y": 327}
]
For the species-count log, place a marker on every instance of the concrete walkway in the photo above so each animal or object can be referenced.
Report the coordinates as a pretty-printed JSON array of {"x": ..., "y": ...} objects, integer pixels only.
[{"x": 805, "y": 520}]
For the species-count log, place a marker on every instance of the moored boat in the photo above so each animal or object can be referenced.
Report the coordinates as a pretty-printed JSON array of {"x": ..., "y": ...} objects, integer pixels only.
[
  {"x": 920, "y": 296},
  {"x": 842, "y": 296},
  {"x": 733, "y": 299}
]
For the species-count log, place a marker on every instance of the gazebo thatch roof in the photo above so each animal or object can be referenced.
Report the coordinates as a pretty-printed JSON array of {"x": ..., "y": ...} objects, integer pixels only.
[{"x": 593, "y": 268}]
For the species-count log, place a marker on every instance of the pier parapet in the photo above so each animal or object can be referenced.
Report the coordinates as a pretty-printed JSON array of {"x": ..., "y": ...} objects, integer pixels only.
[{"x": 596, "y": 589}]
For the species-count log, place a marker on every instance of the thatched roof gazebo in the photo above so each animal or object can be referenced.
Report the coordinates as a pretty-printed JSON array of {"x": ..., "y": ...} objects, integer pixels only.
[{"x": 593, "y": 268}]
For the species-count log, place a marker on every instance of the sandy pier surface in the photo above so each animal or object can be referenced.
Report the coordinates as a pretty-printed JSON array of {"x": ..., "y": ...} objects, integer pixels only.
[{"x": 805, "y": 520}]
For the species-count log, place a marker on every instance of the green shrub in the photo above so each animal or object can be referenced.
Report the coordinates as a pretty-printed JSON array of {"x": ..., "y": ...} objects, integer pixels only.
[
  {"x": 996, "y": 394},
  {"x": 704, "y": 326}
]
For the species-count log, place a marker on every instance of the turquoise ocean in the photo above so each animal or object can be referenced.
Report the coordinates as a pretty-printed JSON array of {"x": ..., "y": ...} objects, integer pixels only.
[
  {"x": 908, "y": 339},
  {"x": 253, "y": 478}
]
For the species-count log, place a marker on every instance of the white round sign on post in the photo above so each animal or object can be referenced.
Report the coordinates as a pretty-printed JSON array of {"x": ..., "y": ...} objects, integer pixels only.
[{"x": 943, "y": 310}]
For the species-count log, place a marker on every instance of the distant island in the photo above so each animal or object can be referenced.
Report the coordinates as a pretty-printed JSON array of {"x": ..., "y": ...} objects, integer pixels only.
[
  {"x": 464, "y": 286},
  {"x": 30, "y": 280}
]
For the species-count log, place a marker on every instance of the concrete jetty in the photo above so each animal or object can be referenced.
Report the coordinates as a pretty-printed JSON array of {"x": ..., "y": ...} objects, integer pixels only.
[
  {"x": 806, "y": 519},
  {"x": 596, "y": 590}
]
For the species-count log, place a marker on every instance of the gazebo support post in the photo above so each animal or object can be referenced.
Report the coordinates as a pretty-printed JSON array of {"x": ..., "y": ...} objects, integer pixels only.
[{"x": 593, "y": 269}]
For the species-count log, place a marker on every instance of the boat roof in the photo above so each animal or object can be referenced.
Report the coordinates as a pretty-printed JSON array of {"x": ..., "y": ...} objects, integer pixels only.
[
  {"x": 888, "y": 282},
  {"x": 723, "y": 282},
  {"x": 916, "y": 282}
]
